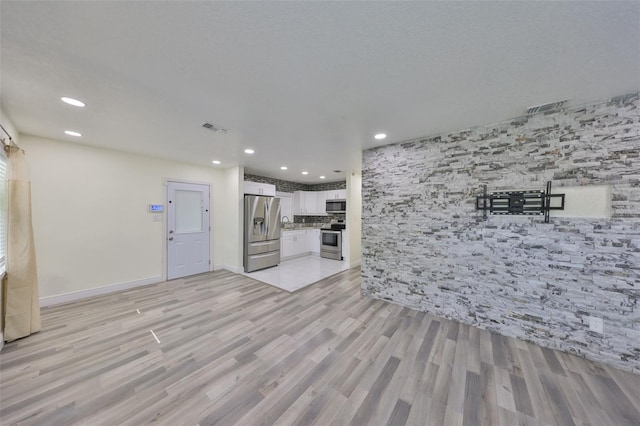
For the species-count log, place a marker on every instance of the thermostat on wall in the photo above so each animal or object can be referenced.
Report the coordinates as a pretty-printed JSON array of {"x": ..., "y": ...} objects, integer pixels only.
[{"x": 156, "y": 208}]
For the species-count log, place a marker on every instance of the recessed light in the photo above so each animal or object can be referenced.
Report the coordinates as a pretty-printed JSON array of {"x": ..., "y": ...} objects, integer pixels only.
[
  {"x": 72, "y": 133},
  {"x": 72, "y": 101},
  {"x": 216, "y": 162},
  {"x": 321, "y": 177},
  {"x": 249, "y": 151},
  {"x": 283, "y": 168},
  {"x": 380, "y": 136},
  {"x": 305, "y": 173}
]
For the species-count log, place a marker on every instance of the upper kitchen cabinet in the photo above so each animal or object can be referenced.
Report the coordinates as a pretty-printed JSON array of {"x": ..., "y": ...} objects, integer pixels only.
[
  {"x": 255, "y": 188},
  {"x": 306, "y": 203},
  {"x": 338, "y": 194},
  {"x": 321, "y": 200},
  {"x": 313, "y": 203}
]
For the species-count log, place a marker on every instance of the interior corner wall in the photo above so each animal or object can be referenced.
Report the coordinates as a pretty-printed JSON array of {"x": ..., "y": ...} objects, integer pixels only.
[
  {"x": 92, "y": 225},
  {"x": 233, "y": 214},
  {"x": 425, "y": 246}
]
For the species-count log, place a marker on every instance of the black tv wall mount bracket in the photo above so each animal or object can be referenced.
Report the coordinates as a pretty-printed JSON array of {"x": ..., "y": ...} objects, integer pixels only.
[{"x": 521, "y": 202}]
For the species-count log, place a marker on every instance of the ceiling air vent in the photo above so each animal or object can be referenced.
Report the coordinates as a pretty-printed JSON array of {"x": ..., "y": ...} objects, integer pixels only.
[
  {"x": 547, "y": 107},
  {"x": 214, "y": 128}
]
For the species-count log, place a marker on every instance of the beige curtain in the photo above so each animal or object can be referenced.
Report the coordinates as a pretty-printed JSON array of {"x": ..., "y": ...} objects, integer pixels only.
[{"x": 22, "y": 305}]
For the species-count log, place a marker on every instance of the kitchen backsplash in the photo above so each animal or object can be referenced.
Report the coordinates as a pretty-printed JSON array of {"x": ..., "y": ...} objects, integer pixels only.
[
  {"x": 287, "y": 186},
  {"x": 311, "y": 219},
  {"x": 329, "y": 186},
  {"x": 319, "y": 219},
  {"x": 305, "y": 225},
  {"x": 426, "y": 247}
]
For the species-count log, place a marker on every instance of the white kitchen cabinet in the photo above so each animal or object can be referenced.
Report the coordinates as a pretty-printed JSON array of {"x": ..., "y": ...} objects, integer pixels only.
[
  {"x": 299, "y": 202},
  {"x": 255, "y": 188},
  {"x": 306, "y": 203},
  {"x": 311, "y": 206},
  {"x": 286, "y": 245},
  {"x": 300, "y": 243},
  {"x": 321, "y": 201},
  {"x": 313, "y": 239},
  {"x": 337, "y": 194},
  {"x": 293, "y": 244}
]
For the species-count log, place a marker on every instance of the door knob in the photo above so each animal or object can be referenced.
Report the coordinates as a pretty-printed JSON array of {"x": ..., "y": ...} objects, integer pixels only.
[{"x": 170, "y": 238}]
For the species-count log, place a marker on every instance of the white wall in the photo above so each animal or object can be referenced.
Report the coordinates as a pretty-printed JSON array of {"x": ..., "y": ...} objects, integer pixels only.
[
  {"x": 90, "y": 214},
  {"x": 232, "y": 215},
  {"x": 354, "y": 218}
]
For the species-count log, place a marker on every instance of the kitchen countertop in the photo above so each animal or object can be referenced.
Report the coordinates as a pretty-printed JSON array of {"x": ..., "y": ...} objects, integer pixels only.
[{"x": 298, "y": 226}]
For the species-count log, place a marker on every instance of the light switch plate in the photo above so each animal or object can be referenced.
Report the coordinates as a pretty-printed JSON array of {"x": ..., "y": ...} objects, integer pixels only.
[{"x": 596, "y": 324}]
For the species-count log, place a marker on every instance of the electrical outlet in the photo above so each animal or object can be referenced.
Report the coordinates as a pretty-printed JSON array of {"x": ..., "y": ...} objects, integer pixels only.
[{"x": 596, "y": 324}]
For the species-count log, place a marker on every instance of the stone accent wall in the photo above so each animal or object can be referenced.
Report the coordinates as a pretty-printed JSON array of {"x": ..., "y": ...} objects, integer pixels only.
[
  {"x": 287, "y": 186},
  {"x": 426, "y": 247}
]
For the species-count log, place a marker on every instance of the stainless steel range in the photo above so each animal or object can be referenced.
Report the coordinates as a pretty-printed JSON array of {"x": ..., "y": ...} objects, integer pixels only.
[{"x": 331, "y": 241}]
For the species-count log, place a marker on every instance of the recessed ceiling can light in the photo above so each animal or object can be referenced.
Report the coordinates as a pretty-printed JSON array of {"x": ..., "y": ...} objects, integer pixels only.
[
  {"x": 216, "y": 162},
  {"x": 380, "y": 136},
  {"x": 249, "y": 151},
  {"x": 305, "y": 173},
  {"x": 321, "y": 177},
  {"x": 283, "y": 168},
  {"x": 72, "y": 133},
  {"x": 72, "y": 101}
]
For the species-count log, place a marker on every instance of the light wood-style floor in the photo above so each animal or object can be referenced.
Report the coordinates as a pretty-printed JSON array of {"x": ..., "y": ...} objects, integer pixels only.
[{"x": 236, "y": 351}]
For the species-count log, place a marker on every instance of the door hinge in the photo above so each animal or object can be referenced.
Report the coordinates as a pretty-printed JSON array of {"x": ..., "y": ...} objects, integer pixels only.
[{"x": 209, "y": 261}]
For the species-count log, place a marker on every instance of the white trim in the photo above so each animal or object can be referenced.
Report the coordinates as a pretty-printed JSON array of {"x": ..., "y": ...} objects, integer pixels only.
[
  {"x": 354, "y": 264},
  {"x": 165, "y": 223},
  {"x": 83, "y": 294},
  {"x": 218, "y": 267},
  {"x": 234, "y": 269},
  {"x": 1, "y": 340}
]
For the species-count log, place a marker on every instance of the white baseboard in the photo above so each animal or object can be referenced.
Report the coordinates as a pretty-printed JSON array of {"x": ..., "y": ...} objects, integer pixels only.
[
  {"x": 354, "y": 264},
  {"x": 217, "y": 267},
  {"x": 83, "y": 294},
  {"x": 234, "y": 269}
]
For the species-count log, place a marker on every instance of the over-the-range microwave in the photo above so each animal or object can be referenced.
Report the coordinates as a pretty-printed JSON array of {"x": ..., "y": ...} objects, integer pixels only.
[{"x": 336, "y": 206}]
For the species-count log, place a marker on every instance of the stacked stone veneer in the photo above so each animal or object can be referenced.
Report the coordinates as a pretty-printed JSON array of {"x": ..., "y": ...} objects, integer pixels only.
[{"x": 426, "y": 247}]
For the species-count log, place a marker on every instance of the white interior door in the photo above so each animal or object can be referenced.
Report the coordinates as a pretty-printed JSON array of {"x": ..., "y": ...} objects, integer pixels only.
[{"x": 188, "y": 229}]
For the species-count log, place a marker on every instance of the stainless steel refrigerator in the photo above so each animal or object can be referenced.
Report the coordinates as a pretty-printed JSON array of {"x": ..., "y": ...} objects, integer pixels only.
[{"x": 261, "y": 232}]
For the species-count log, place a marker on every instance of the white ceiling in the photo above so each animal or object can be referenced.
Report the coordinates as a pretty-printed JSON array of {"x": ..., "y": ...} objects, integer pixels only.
[{"x": 306, "y": 84}]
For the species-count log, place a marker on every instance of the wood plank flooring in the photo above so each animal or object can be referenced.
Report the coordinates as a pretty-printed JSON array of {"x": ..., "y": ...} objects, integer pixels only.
[{"x": 236, "y": 351}]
